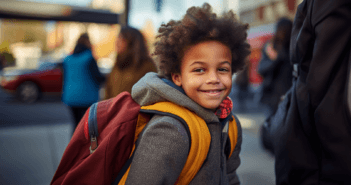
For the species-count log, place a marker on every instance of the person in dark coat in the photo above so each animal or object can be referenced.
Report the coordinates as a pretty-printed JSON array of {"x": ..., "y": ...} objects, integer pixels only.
[
  {"x": 313, "y": 143},
  {"x": 81, "y": 79},
  {"x": 275, "y": 67}
]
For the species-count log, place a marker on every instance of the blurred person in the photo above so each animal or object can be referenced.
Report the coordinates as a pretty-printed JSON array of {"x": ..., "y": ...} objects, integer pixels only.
[
  {"x": 275, "y": 67},
  {"x": 133, "y": 62},
  {"x": 81, "y": 78},
  {"x": 2, "y": 62},
  {"x": 242, "y": 81},
  {"x": 312, "y": 138}
]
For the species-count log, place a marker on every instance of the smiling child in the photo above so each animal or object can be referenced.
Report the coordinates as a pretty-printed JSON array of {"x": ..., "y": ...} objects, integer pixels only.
[{"x": 196, "y": 57}]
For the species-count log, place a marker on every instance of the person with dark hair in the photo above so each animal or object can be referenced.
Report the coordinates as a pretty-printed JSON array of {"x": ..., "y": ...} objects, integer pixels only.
[
  {"x": 81, "y": 78},
  {"x": 2, "y": 62},
  {"x": 275, "y": 67},
  {"x": 196, "y": 57},
  {"x": 133, "y": 62}
]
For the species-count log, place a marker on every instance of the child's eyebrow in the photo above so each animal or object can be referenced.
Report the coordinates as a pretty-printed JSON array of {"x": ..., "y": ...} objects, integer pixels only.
[
  {"x": 225, "y": 62},
  {"x": 197, "y": 62}
]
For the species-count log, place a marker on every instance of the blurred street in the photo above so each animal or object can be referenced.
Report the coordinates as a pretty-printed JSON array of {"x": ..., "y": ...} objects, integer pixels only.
[
  {"x": 257, "y": 165},
  {"x": 33, "y": 138}
]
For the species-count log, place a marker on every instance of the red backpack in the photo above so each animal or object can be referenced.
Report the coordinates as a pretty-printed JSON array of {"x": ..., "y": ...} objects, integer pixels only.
[
  {"x": 101, "y": 144},
  {"x": 100, "y": 150}
]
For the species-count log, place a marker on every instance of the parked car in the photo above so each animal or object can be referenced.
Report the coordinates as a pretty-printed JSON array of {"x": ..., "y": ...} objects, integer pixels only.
[{"x": 31, "y": 84}]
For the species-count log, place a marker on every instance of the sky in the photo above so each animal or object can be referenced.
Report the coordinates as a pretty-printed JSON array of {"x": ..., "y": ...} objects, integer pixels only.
[{"x": 144, "y": 10}]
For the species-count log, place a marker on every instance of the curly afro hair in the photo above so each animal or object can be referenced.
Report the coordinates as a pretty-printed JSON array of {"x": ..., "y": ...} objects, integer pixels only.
[{"x": 200, "y": 24}]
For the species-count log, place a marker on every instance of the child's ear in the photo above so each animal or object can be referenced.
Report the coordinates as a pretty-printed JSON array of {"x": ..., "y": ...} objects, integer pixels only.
[{"x": 177, "y": 79}]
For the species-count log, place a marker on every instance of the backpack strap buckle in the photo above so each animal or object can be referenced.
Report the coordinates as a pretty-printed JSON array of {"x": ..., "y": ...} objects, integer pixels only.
[{"x": 93, "y": 145}]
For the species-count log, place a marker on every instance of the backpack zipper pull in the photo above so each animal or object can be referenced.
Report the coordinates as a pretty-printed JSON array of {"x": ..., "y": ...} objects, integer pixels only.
[{"x": 93, "y": 144}]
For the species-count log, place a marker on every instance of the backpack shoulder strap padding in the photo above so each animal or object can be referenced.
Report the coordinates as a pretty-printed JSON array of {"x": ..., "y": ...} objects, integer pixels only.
[
  {"x": 200, "y": 139},
  {"x": 169, "y": 107},
  {"x": 233, "y": 135}
]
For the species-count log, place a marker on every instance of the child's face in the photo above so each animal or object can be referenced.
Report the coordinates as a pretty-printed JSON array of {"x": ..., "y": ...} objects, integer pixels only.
[{"x": 206, "y": 73}]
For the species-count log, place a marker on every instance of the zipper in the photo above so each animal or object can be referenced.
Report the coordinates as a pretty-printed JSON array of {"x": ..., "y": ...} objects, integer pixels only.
[{"x": 93, "y": 128}]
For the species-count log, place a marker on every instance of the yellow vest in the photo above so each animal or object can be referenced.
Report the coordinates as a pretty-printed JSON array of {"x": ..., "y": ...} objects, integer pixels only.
[{"x": 200, "y": 138}]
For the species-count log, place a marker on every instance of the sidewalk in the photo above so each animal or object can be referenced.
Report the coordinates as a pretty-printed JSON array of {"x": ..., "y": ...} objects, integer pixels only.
[
  {"x": 250, "y": 113},
  {"x": 257, "y": 166}
]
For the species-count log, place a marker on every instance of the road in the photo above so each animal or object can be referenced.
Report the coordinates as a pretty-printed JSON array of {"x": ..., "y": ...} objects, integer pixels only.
[{"x": 33, "y": 138}]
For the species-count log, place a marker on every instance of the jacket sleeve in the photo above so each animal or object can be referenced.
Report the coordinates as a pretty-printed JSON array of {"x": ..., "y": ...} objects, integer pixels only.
[
  {"x": 332, "y": 30},
  {"x": 234, "y": 161},
  {"x": 161, "y": 153}
]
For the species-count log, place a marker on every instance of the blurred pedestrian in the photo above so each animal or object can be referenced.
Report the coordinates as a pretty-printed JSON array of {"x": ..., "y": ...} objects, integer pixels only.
[
  {"x": 242, "y": 81},
  {"x": 133, "y": 62},
  {"x": 2, "y": 62},
  {"x": 81, "y": 78},
  {"x": 275, "y": 67},
  {"x": 313, "y": 138}
]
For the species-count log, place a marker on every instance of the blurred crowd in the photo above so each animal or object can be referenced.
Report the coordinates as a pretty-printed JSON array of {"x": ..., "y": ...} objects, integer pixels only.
[{"x": 82, "y": 79}]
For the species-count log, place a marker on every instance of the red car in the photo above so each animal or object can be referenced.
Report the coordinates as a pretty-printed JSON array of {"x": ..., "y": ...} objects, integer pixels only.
[{"x": 30, "y": 85}]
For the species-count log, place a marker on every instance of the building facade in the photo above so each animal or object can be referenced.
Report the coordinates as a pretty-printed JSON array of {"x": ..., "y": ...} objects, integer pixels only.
[{"x": 262, "y": 16}]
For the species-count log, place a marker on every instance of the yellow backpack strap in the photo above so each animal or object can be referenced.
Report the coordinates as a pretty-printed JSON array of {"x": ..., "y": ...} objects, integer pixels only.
[
  {"x": 233, "y": 135},
  {"x": 143, "y": 119},
  {"x": 200, "y": 139}
]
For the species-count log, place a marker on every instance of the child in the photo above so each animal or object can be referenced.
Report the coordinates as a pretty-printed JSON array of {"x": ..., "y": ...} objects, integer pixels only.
[{"x": 198, "y": 56}]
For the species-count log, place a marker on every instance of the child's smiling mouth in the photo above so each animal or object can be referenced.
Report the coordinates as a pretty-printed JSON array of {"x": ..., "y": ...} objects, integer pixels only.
[{"x": 212, "y": 91}]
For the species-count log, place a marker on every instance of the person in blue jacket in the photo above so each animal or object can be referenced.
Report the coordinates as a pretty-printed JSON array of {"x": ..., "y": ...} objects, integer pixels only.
[{"x": 81, "y": 79}]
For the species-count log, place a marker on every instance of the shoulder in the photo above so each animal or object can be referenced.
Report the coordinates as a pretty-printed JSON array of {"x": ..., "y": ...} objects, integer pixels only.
[
  {"x": 86, "y": 55},
  {"x": 167, "y": 125}
]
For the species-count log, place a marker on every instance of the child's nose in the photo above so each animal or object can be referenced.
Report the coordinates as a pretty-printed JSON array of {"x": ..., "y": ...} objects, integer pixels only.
[{"x": 212, "y": 77}]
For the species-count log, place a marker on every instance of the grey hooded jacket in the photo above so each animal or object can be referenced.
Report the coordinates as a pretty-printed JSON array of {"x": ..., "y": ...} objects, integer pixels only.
[{"x": 163, "y": 146}]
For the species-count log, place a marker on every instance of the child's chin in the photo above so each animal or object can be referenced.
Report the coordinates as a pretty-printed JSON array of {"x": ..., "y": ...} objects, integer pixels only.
[{"x": 211, "y": 107}]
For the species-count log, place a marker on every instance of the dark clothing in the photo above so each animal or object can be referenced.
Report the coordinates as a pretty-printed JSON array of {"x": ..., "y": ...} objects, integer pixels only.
[
  {"x": 78, "y": 113},
  {"x": 314, "y": 145},
  {"x": 277, "y": 78},
  {"x": 242, "y": 81}
]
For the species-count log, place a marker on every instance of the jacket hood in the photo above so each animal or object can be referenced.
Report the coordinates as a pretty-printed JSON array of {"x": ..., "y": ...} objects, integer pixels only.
[{"x": 152, "y": 89}]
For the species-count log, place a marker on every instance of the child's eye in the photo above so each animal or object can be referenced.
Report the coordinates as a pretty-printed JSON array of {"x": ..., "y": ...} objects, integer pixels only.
[
  {"x": 199, "y": 70},
  {"x": 224, "y": 69}
]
